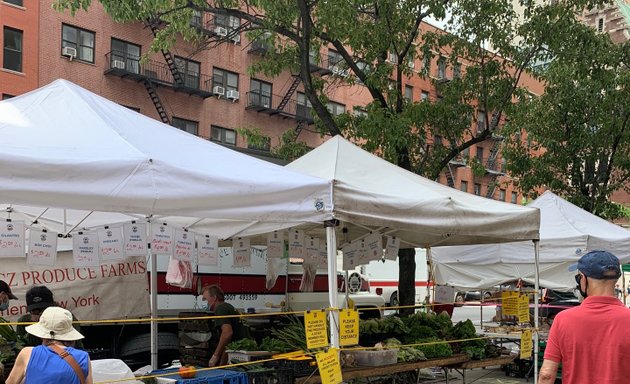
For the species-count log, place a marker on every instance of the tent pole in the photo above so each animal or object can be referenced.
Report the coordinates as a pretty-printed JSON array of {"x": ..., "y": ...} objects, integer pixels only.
[
  {"x": 536, "y": 307},
  {"x": 331, "y": 247},
  {"x": 154, "y": 325}
]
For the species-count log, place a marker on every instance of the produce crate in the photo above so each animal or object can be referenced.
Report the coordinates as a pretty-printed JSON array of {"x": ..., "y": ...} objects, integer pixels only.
[
  {"x": 298, "y": 367},
  {"x": 519, "y": 368},
  {"x": 245, "y": 356},
  {"x": 374, "y": 358},
  {"x": 270, "y": 376},
  {"x": 217, "y": 376}
]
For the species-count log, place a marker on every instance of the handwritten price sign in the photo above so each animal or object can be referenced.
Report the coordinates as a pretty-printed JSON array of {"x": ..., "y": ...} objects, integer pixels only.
[
  {"x": 12, "y": 239},
  {"x": 42, "y": 248}
]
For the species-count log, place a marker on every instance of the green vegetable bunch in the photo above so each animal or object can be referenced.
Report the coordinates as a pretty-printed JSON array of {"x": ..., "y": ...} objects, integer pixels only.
[{"x": 243, "y": 345}]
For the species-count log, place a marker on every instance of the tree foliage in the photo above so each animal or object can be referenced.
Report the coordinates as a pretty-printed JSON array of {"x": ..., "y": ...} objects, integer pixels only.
[{"x": 577, "y": 139}]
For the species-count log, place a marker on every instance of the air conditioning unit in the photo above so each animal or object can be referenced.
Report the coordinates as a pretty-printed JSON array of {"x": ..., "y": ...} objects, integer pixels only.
[
  {"x": 118, "y": 64},
  {"x": 338, "y": 71},
  {"x": 218, "y": 91},
  {"x": 236, "y": 38},
  {"x": 232, "y": 95},
  {"x": 69, "y": 52},
  {"x": 220, "y": 31}
]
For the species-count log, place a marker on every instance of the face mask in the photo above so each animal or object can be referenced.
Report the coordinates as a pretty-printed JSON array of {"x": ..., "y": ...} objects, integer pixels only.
[
  {"x": 581, "y": 295},
  {"x": 4, "y": 306}
]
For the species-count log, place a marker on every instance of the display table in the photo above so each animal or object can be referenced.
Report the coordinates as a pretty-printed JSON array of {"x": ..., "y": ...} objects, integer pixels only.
[
  {"x": 483, "y": 363},
  {"x": 359, "y": 372}
]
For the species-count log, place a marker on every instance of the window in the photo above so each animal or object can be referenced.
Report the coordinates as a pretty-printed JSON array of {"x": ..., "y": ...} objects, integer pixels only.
[
  {"x": 477, "y": 189},
  {"x": 457, "y": 70},
  {"x": 410, "y": 62},
  {"x": 481, "y": 121},
  {"x": 223, "y": 135},
  {"x": 189, "y": 70},
  {"x": 79, "y": 39},
  {"x": 360, "y": 112},
  {"x": 303, "y": 106},
  {"x": 441, "y": 74},
  {"x": 127, "y": 54},
  {"x": 502, "y": 194},
  {"x": 336, "y": 109},
  {"x": 463, "y": 186},
  {"x": 189, "y": 126},
  {"x": 334, "y": 59},
  {"x": 392, "y": 58},
  {"x": 503, "y": 165},
  {"x": 264, "y": 145},
  {"x": 426, "y": 65},
  {"x": 480, "y": 154},
  {"x": 12, "y": 49},
  {"x": 600, "y": 25},
  {"x": 513, "y": 199},
  {"x": 15, "y": 2},
  {"x": 409, "y": 93},
  {"x": 225, "y": 79},
  {"x": 6, "y": 96},
  {"x": 466, "y": 153},
  {"x": 259, "y": 93},
  {"x": 424, "y": 96},
  {"x": 228, "y": 22}
]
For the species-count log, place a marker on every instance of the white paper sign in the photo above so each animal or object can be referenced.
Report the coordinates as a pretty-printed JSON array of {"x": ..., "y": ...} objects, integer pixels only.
[
  {"x": 322, "y": 260},
  {"x": 275, "y": 245},
  {"x": 373, "y": 247},
  {"x": 242, "y": 253},
  {"x": 391, "y": 247},
  {"x": 361, "y": 255},
  {"x": 312, "y": 251},
  {"x": 111, "y": 244},
  {"x": 296, "y": 244},
  {"x": 184, "y": 245},
  {"x": 42, "y": 248},
  {"x": 135, "y": 238},
  {"x": 12, "y": 239},
  {"x": 444, "y": 294},
  {"x": 85, "y": 250},
  {"x": 350, "y": 256},
  {"x": 208, "y": 250},
  {"x": 161, "y": 239}
]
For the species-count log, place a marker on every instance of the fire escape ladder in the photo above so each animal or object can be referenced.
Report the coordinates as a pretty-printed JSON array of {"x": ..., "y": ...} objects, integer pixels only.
[
  {"x": 492, "y": 185},
  {"x": 155, "y": 98},
  {"x": 290, "y": 92},
  {"x": 494, "y": 152},
  {"x": 449, "y": 176},
  {"x": 300, "y": 126},
  {"x": 177, "y": 76}
]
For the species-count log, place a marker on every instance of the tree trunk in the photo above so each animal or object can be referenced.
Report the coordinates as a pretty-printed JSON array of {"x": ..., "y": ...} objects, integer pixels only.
[{"x": 407, "y": 280}]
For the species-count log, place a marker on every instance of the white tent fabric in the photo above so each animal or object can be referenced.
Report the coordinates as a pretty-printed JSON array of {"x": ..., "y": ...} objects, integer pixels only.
[
  {"x": 372, "y": 193},
  {"x": 65, "y": 147},
  {"x": 566, "y": 233}
]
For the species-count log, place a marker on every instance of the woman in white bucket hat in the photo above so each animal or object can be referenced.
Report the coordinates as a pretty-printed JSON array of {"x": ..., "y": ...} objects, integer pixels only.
[{"x": 55, "y": 360}]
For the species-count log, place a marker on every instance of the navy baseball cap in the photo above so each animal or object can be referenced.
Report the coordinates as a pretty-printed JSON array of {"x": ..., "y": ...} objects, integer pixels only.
[{"x": 598, "y": 265}]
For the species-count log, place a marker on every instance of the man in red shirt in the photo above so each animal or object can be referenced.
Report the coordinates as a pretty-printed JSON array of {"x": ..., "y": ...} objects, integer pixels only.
[{"x": 591, "y": 341}]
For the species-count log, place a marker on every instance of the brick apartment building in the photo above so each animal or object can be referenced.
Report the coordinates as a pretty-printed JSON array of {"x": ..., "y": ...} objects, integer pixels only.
[{"x": 206, "y": 93}]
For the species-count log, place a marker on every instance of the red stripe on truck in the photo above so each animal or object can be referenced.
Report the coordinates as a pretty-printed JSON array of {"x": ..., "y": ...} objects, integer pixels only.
[{"x": 377, "y": 283}]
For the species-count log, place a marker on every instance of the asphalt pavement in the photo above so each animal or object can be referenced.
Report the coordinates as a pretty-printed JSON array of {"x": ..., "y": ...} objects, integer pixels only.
[{"x": 488, "y": 375}]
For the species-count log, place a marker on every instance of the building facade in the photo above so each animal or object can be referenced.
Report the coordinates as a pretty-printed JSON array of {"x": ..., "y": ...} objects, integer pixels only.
[{"x": 209, "y": 92}]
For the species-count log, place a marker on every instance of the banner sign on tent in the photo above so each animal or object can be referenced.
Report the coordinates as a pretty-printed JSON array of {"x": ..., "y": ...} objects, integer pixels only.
[
  {"x": 135, "y": 237},
  {"x": 242, "y": 252},
  {"x": 115, "y": 290},
  {"x": 110, "y": 244},
  {"x": 329, "y": 366},
  {"x": 12, "y": 239},
  {"x": 208, "y": 250},
  {"x": 296, "y": 244},
  {"x": 42, "y": 248},
  {"x": 161, "y": 239},
  {"x": 275, "y": 245},
  {"x": 85, "y": 250},
  {"x": 391, "y": 247},
  {"x": 184, "y": 245},
  {"x": 316, "y": 329}
]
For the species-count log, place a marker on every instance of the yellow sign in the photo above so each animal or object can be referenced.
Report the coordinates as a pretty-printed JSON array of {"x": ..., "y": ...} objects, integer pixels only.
[
  {"x": 316, "y": 329},
  {"x": 523, "y": 309},
  {"x": 510, "y": 303},
  {"x": 526, "y": 344},
  {"x": 348, "y": 327},
  {"x": 329, "y": 367}
]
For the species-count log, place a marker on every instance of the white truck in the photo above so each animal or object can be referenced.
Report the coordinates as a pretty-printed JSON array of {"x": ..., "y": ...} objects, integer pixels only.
[{"x": 383, "y": 278}]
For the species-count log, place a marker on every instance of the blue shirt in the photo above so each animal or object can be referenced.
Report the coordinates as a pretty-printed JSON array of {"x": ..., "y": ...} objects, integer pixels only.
[{"x": 45, "y": 366}]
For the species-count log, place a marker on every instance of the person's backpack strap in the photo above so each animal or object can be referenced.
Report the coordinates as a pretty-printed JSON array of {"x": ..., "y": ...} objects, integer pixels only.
[{"x": 70, "y": 360}]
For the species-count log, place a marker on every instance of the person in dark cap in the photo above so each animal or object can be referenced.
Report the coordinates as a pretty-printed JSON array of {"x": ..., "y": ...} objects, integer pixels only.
[
  {"x": 591, "y": 341},
  {"x": 5, "y": 295},
  {"x": 38, "y": 298}
]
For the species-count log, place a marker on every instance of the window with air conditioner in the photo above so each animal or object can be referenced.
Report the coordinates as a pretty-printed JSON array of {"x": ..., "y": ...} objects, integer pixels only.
[
  {"x": 228, "y": 26},
  {"x": 189, "y": 71},
  {"x": 335, "y": 60},
  {"x": 232, "y": 95},
  {"x": 185, "y": 125},
  {"x": 12, "y": 52},
  {"x": 260, "y": 93},
  {"x": 224, "y": 79},
  {"x": 81, "y": 40},
  {"x": 125, "y": 55},
  {"x": 222, "y": 135}
]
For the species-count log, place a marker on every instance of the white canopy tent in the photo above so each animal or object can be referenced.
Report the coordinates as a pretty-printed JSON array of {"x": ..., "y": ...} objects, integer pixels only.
[
  {"x": 566, "y": 233},
  {"x": 65, "y": 147}
]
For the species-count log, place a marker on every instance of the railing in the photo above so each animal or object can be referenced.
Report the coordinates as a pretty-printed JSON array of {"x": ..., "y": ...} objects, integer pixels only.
[{"x": 268, "y": 103}]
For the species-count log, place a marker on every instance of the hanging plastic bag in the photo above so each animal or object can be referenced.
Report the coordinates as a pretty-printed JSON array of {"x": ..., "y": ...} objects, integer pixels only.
[
  {"x": 179, "y": 273},
  {"x": 308, "y": 277},
  {"x": 274, "y": 267}
]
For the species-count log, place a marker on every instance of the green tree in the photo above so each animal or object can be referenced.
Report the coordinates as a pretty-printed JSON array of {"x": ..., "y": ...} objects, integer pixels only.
[
  {"x": 376, "y": 39},
  {"x": 577, "y": 141}
]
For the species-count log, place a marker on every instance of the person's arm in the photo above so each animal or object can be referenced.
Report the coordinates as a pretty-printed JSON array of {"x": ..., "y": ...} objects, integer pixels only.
[
  {"x": 224, "y": 340},
  {"x": 19, "y": 367},
  {"x": 548, "y": 372}
]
